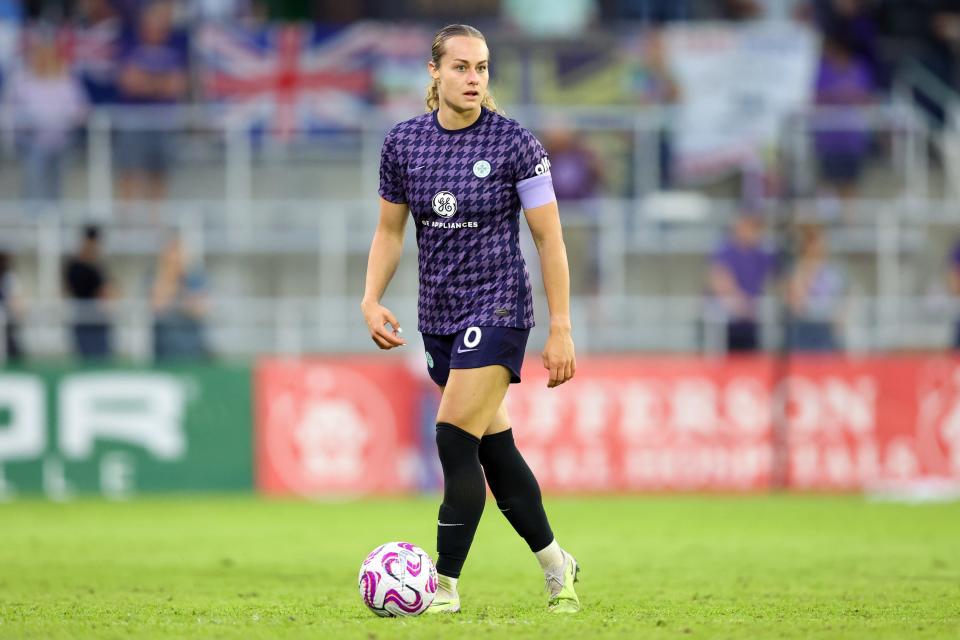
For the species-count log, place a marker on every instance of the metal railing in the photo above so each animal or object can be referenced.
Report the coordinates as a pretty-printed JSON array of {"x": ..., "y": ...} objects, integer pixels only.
[
  {"x": 235, "y": 160},
  {"x": 245, "y": 327}
]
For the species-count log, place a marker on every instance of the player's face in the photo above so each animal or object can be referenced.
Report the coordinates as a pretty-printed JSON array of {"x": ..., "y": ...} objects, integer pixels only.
[{"x": 463, "y": 73}]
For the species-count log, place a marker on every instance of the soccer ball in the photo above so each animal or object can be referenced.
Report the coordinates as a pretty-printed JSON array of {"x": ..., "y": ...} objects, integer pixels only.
[{"x": 398, "y": 579}]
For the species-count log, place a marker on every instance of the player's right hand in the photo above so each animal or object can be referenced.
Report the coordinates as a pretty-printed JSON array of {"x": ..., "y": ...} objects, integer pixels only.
[{"x": 377, "y": 316}]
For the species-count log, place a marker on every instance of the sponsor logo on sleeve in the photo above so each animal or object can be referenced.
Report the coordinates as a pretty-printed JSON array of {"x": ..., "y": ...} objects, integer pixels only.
[{"x": 542, "y": 167}]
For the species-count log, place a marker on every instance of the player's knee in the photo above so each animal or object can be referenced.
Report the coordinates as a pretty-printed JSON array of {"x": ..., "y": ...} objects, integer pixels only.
[
  {"x": 465, "y": 423},
  {"x": 452, "y": 441}
]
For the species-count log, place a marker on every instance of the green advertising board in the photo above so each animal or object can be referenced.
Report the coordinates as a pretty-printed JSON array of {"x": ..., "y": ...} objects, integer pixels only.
[{"x": 122, "y": 431}]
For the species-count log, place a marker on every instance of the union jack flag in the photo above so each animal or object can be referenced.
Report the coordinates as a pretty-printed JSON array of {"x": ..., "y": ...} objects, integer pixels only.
[
  {"x": 94, "y": 55},
  {"x": 94, "y": 51},
  {"x": 291, "y": 78}
]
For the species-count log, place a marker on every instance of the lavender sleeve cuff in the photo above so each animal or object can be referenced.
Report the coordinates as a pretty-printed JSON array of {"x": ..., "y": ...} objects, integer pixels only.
[{"x": 536, "y": 191}]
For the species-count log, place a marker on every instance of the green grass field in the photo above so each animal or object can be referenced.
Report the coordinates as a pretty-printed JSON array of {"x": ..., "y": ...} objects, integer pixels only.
[{"x": 653, "y": 567}]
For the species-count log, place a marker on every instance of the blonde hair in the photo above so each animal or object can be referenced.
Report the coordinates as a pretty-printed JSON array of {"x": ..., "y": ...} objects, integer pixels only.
[{"x": 439, "y": 48}]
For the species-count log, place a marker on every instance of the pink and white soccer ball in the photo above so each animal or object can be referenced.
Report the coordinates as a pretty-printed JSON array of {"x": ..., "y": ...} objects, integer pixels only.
[{"x": 398, "y": 579}]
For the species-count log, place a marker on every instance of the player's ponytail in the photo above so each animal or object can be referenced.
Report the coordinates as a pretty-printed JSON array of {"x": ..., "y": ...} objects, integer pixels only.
[
  {"x": 436, "y": 53},
  {"x": 433, "y": 96},
  {"x": 490, "y": 103}
]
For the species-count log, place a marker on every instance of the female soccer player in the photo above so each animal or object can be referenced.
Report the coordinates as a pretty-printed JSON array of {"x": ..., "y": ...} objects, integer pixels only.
[{"x": 463, "y": 171}]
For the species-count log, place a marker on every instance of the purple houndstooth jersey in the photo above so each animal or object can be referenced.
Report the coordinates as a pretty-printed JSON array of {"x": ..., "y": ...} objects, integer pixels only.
[{"x": 461, "y": 188}]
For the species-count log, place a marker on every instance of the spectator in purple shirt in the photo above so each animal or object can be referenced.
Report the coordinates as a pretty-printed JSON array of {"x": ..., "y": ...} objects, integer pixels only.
[
  {"x": 578, "y": 179},
  {"x": 153, "y": 73},
  {"x": 740, "y": 269},
  {"x": 842, "y": 138},
  {"x": 854, "y": 22}
]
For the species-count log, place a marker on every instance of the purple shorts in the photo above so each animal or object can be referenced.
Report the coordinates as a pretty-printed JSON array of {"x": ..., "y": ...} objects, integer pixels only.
[{"x": 475, "y": 347}]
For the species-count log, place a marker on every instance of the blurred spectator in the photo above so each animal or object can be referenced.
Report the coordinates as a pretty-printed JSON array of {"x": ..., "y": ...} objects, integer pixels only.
[
  {"x": 577, "y": 179},
  {"x": 96, "y": 49},
  {"x": 87, "y": 284},
  {"x": 479, "y": 13},
  {"x": 940, "y": 54},
  {"x": 129, "y": 12},
  {"x": 649, "y": 74},
  {"x": 255, "y": 14},
  {"x": 945, "y": 27},
  {"x": 853, "y": 23},
  {"x": 739, "y": 9},
  {"x": 44, "y": 105},
  {"x": 652, "y": 83},
  {"x": 180, "y": 304},
  {"x": 816, "y": 288},
  {"x": 842, "y": 138},
  {"x": 771, "y": 10},
  {"x": 740, "y": 269},
  {"x": 645, "y": 11},
  {"x": 288, "y": 10},
  {"x": 927, "y": 31},
  {"x": 47, "y": 10},
  {"x": 221, "y": 10},
  {"x": 152, "y": 74},
  {"x": 550, "y": 18},
  {"x": 576, "y": 169},
  {"x": 11, "y": 310}
]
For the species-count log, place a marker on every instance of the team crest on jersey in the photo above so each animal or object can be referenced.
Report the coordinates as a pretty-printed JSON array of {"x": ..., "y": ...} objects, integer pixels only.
[
  {"x": 481, "y": 168},
  {"x": 445, "y": 204}
]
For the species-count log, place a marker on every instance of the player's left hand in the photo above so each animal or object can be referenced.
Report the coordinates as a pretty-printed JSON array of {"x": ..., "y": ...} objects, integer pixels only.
[{"x": 559, "y": 358}]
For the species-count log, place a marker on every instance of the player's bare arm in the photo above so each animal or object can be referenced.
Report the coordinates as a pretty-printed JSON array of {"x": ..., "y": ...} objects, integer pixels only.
[
  {"x": 558, "y": 353},
  {"x": 385, "y": 252}
]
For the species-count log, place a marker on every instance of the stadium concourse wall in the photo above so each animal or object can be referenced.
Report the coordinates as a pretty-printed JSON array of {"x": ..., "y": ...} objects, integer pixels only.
[{"x": 364, "y": 425}]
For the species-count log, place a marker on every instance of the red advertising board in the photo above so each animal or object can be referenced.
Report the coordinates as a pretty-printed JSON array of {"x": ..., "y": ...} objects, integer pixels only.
[
  {"x": 647, "y": 424},
  {"x": 653, "y": 424},
  {"x": 629, "y": 424},
  {"x": 335, "y": 426}
]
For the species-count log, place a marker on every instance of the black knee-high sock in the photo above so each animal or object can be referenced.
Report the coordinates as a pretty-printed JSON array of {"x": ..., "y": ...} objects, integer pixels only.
[
  {"x": 515, "y": 488},
  {"x": 464, "y": 493}
]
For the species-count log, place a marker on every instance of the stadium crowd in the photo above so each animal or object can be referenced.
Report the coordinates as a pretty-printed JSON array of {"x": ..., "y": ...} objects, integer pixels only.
[{"x": 76, "y": 56}]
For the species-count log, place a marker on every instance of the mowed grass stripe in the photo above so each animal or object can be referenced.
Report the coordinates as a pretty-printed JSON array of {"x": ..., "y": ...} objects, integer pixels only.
[{"x": 658, "y": 567}]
